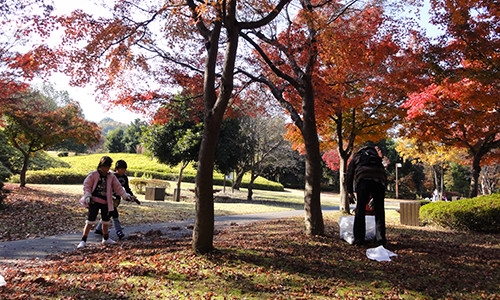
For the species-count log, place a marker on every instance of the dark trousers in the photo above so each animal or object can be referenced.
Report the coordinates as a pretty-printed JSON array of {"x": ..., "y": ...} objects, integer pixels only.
[
  {"x": 364, "y": 189},
  {"x": 94, "y": 211}
]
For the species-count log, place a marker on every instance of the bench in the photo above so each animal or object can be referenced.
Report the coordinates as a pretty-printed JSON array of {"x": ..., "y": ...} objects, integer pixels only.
[{"x": 155, "y": 193}]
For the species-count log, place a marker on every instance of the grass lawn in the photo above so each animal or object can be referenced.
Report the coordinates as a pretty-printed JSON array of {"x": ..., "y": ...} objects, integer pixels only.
[{"x": 264, "y": 260}]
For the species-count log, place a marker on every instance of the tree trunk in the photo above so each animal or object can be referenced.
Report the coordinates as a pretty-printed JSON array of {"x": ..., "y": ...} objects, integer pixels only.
[
  {"x": 238, "y": 180},
  {"x": 344, "y": 200},
  {"x": 24, "y": 169},
  {"x": 345, "y": 148},
  {"x": 435, "y": 174},
  {"x": 312, "y": 193},
  {"x": 250, "y": 186},
  {"x": 203, "y": 230},
  {"x": 215, "y": 106},
  {"x": 179, "y": 181},
  {"x": 476, "y": 170},
  {"x": 442, "y": 182}
]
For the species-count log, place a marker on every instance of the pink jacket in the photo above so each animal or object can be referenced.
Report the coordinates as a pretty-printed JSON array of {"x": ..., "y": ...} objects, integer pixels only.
[{"x": 112, "y": 185}]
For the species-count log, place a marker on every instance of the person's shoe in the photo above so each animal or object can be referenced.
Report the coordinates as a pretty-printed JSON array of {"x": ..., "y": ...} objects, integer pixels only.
[
  {"x": 98, "y": 231},
  {"x": 108, "y": 242},
  {"x": 81, "y": 245},
  {"x": 120, "y": 234}
]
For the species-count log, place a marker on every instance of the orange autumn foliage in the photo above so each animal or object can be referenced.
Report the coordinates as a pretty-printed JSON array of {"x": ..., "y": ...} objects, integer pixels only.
[{"x": 460, "y": 106}]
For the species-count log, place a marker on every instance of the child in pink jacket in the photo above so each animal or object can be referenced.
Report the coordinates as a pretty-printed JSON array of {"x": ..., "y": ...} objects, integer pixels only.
[{"x": 98, "y": 189}]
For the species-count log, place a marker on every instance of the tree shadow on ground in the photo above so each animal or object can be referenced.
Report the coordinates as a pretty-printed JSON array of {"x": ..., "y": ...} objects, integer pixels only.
[{"x": 433, "y": 264}]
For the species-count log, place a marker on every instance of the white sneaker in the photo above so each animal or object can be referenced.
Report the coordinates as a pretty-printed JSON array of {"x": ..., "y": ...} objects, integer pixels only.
[
  {"x": 81, "y": 245},
  {"x": 108, "y": 242}
]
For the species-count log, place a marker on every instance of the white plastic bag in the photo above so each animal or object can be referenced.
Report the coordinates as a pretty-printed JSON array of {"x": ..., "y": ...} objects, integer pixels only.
[
  {"x": 346, "y": 225},
  {"x": 379, "y": 254},
  {"x": 2, "y": 281}
]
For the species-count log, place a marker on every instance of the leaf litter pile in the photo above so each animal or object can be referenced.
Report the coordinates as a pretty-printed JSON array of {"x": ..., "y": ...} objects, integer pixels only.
[{"x": 266, "y": 260}]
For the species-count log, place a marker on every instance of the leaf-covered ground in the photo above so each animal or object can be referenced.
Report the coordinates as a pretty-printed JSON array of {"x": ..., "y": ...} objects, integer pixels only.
[
  {"x": 38, "y": 211},
  {"x": 267, "y": 260},
  {"x": 35, "y": 211}
]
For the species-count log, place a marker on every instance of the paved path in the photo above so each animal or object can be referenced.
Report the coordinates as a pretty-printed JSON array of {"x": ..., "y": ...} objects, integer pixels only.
[{"x": 39, "y": 248}]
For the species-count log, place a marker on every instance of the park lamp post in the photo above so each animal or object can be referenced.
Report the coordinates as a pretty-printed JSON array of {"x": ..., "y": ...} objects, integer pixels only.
[{"x": 398, "y": 165}]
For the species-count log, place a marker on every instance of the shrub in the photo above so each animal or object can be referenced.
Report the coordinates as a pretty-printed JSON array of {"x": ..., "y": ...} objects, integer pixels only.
[
  {"x": 2, "y": 195},
  {"x": 53, "y": 176},
  {"x": 264, "y": 184},
  {"x": 478, "y": 214},
  {"x": 4, "y": 173}
]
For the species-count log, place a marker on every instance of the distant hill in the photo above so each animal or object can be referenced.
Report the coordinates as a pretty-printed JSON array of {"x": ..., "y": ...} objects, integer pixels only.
[{"x": 108, "y": 124}]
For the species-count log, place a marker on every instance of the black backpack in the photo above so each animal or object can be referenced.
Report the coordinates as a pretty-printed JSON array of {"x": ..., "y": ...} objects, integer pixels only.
[{"x": 369, "y": 157}]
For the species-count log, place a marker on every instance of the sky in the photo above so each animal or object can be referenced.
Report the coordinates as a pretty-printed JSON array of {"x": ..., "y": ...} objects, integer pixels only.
[{"x": 94, "y": 111}]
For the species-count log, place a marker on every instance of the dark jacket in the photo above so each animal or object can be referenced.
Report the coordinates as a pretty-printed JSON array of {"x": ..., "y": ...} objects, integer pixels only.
[
  {"x": 359, "y": 169},
  {"x": 123, "y": 179}
]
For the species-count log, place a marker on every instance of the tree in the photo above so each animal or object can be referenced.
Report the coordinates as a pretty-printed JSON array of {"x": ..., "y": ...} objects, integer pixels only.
[
  {"x": 288, "y": 63},
  {"x": 265, "y": 148},
  {"x": 174, "y": 142},
  {"x": 7, "y": 155},
  {"x": 490, "y": 179},
  {"x": 225, "y": 15},
  {"x": 459, "y": 107},
  {"x": 178, "y": 140},
  {"x": 114, "y": 141},
  {"x": 70, "y": 145},
  {"x": 460, "y": 179},
  {"x": 231, "y": 146},
  {"x": 175, "y": 136},
  {"x": 462, "y": 125},
  {"x": 132, "y": 135},
  {"x": 360, "y": 62},
  {"x": 432, "y": 154},
  {"x": 53, "y": 124}
]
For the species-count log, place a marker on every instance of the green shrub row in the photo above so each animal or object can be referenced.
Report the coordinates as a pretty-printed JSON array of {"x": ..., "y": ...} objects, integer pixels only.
[
  {"x": 74, "y": 169},
  {"x": 480, "y": 214},
  {"x": 72, "y": 176},
  {"x": 52, "y": 176}
]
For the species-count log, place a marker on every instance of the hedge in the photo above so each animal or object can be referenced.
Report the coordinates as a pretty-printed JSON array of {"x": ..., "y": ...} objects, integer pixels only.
[
  {"x": 74, "y": 176},
  {"x": 480, "y": 214}
]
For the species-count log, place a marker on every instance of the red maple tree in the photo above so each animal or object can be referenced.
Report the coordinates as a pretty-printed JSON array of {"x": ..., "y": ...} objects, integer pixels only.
[
  {"x": 33, "y": 123},
  {"x": 346, "y": 72},
  {"x": 132, "y": 57},
  {"x": 461, "y": 106}
]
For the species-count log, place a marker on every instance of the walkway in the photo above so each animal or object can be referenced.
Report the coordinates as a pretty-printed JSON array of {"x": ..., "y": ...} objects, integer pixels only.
[{"x": 39, "y": 248}]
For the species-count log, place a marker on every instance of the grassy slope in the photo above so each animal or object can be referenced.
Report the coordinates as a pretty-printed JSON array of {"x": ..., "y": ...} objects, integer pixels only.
[{"x": 139, "y": 163}]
